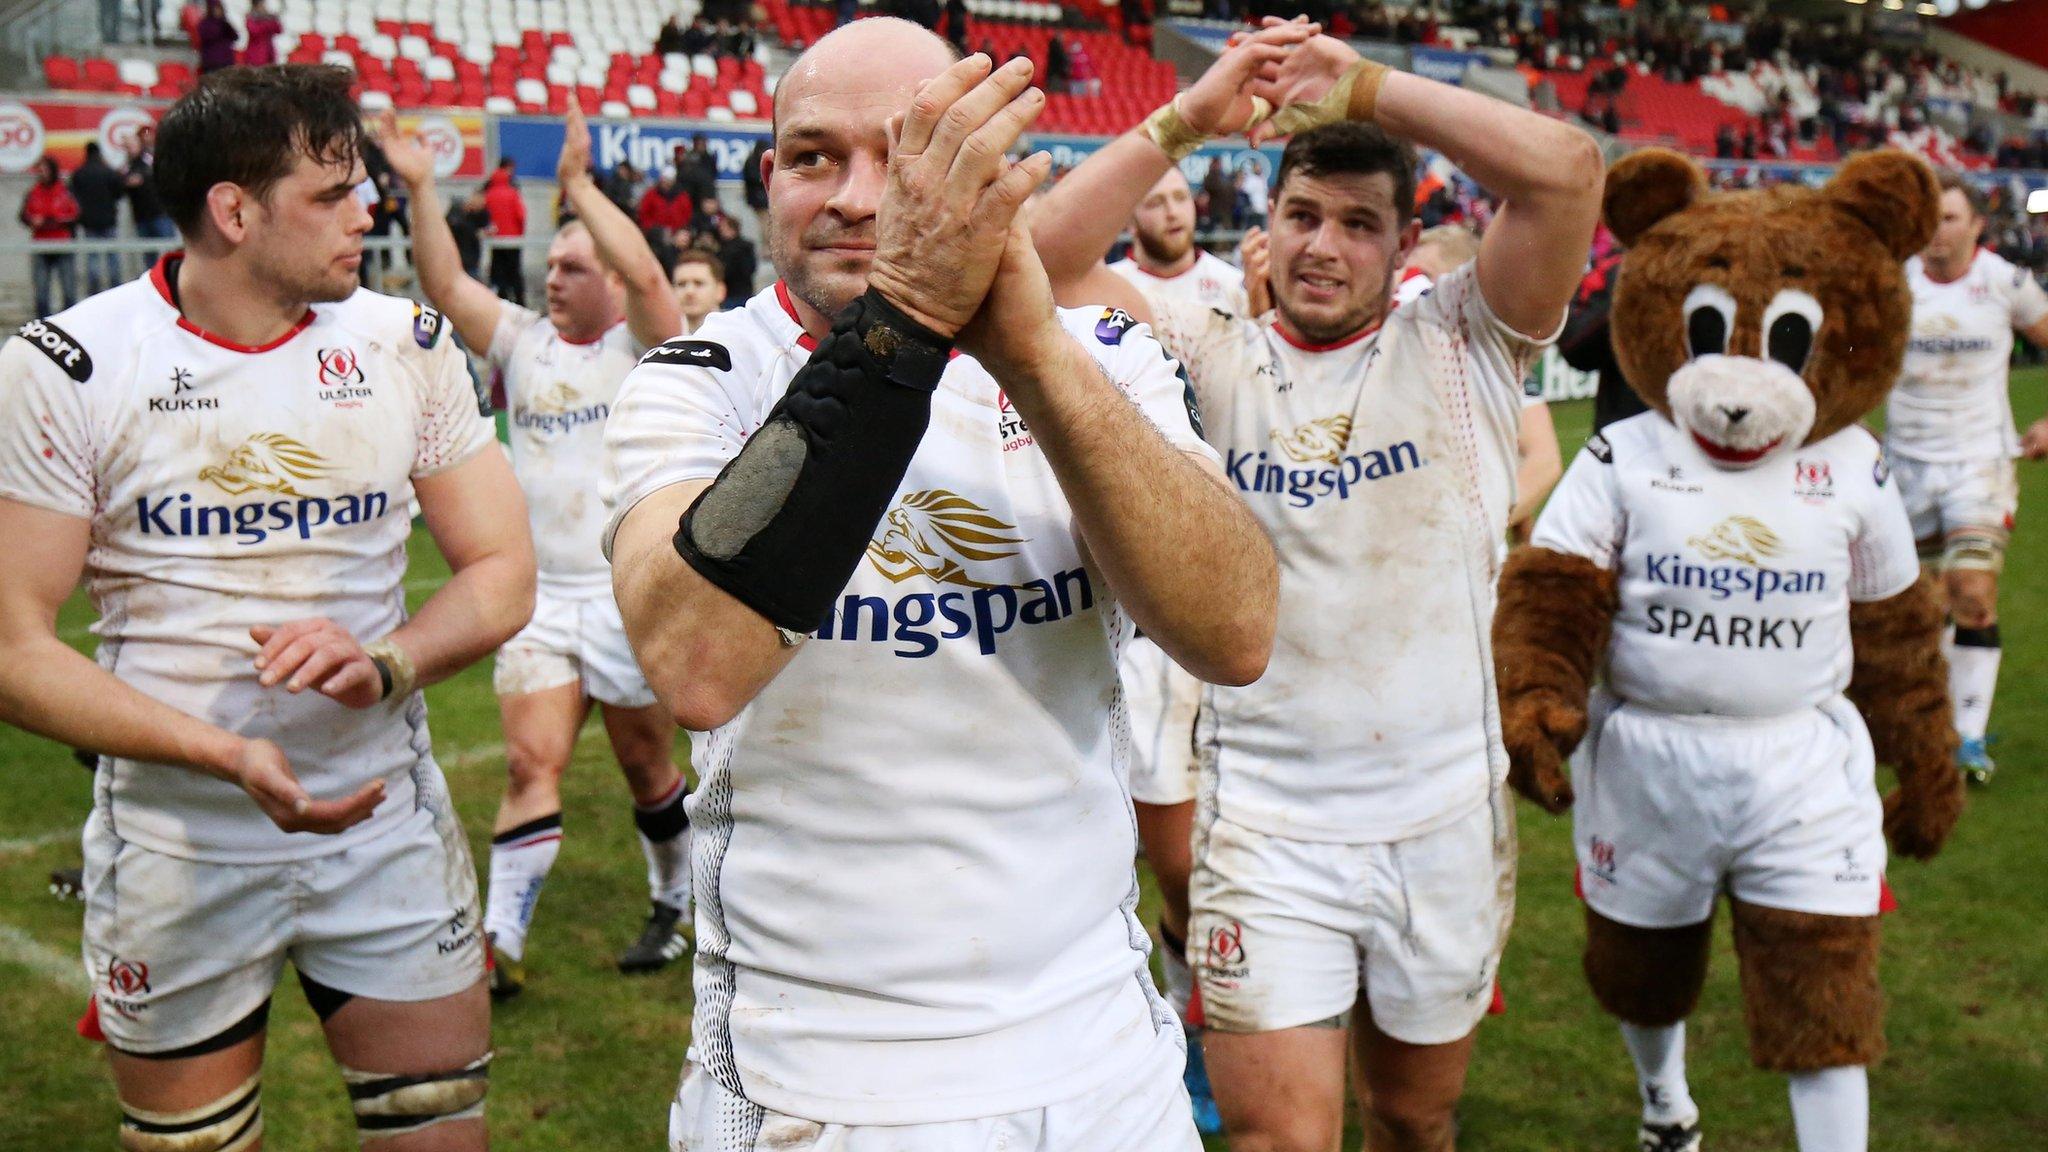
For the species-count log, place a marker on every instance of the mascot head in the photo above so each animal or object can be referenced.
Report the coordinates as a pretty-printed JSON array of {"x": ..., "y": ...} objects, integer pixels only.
[{"x": 1760, "y": 321}]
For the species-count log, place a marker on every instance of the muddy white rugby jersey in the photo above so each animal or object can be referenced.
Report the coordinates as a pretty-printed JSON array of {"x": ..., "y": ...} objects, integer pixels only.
[
  {"x": 1210, "y": 282},
  {"x": 559, "y": 393},
  {"x": 913, "y": 848},
  {"x": 1383, "y": 468},
  {"x": 228, "y": 487},
  {"x": 1735, "y": 585},
  {"x": 1951, "y": 402}
]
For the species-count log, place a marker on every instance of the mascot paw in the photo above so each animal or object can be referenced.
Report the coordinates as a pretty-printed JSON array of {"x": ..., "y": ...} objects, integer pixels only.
[
  {"x": 1540, "y": 731},
  {"x": 1915, "y": 828}
]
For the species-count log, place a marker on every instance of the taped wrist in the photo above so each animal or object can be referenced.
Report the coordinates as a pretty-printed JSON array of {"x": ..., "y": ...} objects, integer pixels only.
[
  {"x": 787, "y": 521},
  {"x": 1355, "y": 96}
]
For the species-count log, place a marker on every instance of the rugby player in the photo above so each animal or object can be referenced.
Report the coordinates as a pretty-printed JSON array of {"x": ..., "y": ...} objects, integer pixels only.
[
  {"x": 699, "y": 283},
  {"x": 892, "y": 582},
  {"x": 607, "y": 303},
  {"x": 1164, "y": 262},
  {"x": 1353, "y": 871},
  {"x": 226, "y": 448},
  {"x": 1949, "y": 431}
]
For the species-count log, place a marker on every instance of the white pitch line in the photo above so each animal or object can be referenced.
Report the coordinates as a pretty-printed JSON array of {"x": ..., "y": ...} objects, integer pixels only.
[
  {"x": 425, "y": 583},
  {"x": 19, "y": 844},
  {"x": 463, "y": 757},
  {"x": 18, "y": 947}
]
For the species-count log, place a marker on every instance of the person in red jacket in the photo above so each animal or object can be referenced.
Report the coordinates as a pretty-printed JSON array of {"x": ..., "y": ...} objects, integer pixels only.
[
  {"x": 262, "y": 27},
  {"x": 664, "y": 215},
  {"x": 49, "y": 213},
  {"x": 507, "y": 210}
]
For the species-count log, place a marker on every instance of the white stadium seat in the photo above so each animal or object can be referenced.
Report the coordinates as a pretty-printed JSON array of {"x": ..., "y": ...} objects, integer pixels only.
[
  {"x": 640, "y": 96},
  {"x": 531, "y": 91},
  {"x": 438, "y": 68},
  {"x": 742, "y": 102},
  {"x": 141, "y": 73},
  {"x": 500, "y": 105},
  {"x": 615, "y": 110},
  {"x": 719, "y": 114},
  {"x": 376, "y": 101},
  {"x": 414, "y": 47}
]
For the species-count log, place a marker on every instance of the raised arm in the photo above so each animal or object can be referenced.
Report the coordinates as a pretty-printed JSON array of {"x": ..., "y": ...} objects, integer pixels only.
[
  {"x": 469, "y": 304},
  {"x": 1548, "y": 173},
  {"x": 651, "y": 311},
  {"x": 1074, "y": 224}
]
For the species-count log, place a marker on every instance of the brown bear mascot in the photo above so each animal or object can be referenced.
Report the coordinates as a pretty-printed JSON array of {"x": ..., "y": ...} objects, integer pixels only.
[{"x": 1739, "y": 565}]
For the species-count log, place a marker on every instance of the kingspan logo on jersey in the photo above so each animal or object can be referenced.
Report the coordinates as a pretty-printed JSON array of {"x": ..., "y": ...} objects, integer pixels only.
[
  {"x": 273, "y": 468},
  {"x": 1746, "y": 543},
  {"x": 944, "y": 537},
  {"x": 1939, "y": 335},
  {"x": 1332, "y": 470},
  {"x": 557, "y": 411}
]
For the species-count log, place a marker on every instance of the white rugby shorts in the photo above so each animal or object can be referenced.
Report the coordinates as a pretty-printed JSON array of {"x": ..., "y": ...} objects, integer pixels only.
[
  {"x": 178, "y": 951},
  {"x": 1161, "y": 700},
  {"x": 1945, "y": 499},
  {"x": 1146, "y": 1110},
  {"x": 1780, "y": 811},
  {"x": 1286, "y": 933},
  {"x": 573, "y": 641}
]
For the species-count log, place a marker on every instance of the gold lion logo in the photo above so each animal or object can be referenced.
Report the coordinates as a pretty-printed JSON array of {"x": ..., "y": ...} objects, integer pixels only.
[
  {"x": 269, "y": 461},
  {"x": 938, "y": 534},
  {"x": 556, "y": 401},
  {"x": 1323, "y": 439},
  {"x": 1742, "y": 538}
]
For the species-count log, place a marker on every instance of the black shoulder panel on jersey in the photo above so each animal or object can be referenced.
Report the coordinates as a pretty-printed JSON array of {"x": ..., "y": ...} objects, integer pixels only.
[
  {"x": 426, "y": 326},
  {"x": 1187, "y": 397},
  {"x": 1600, "y": 448},
  {"x": 1882, "y": 470},
  {"x": 58, "y": 345},
  {"x": 685, "y": 353}
]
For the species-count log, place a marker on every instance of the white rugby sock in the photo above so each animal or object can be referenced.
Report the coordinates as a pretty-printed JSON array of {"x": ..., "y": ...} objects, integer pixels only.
[
  {"x": 1972, "y": 678},
  {"x": 665, "y": 840},
  {"x": 1831, "y": 1110},
  {"x": 520, "y": 859},
  {"x": 1659, "y": 1054}
]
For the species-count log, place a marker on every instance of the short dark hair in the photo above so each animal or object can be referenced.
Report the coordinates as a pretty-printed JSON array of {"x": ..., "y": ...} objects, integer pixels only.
[
  {"x": 699, "y": 256},
  {"x": 248, "y": 127},
  {"x": 1951, "y": 180},
  {"x": 1348, "y": 149}
]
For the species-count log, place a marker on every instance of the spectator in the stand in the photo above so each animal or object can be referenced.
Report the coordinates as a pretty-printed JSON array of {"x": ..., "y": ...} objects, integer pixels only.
[
  {"x": 1749, "y": 142},
  {"x": 1251, "y": 193},
  {"x": 49, "y": 212},
  {"x": 664, "y": 213},
  {"x": 98, "y": 190},
  {"x": 1081, "y": 66},
  {"x": 1221, "y": 193},
  {"x": 671, "y": 37},
  {"x": 387, "y": 213},
  {"x": 708, "y": 216},
  {"x": 757, "y": 185},
  {"x": 697, "y": 38},
  {"x": 467, "y": 219},
  {"x": 736, "y": 254},
  {"x": 507, "y": 211},
  {"x": 956, "y": 25},
  {"x": 623, "y": 186},
  {"x": 735, "y": 40},
  {"x": 140, "y": 179},
  {"x": 215, "y": 39},
  {"x": 699, "y": 169},
  {"x": 263, "y": 28},
  {"x": 1058, "y": 78},
  {"x": 1724, "y": 141},
  {"x": 849, "y": 10},
  {"x": 699, "y": 282}
]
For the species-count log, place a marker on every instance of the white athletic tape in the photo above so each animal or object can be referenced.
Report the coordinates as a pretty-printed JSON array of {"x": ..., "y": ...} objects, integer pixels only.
[
  {"x": 18, "y": 947},
  {"x": 18, "y": 845}
]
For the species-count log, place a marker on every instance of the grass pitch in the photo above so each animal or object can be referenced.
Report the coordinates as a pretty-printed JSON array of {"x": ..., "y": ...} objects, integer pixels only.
[{"x": 587, "y": 1058}]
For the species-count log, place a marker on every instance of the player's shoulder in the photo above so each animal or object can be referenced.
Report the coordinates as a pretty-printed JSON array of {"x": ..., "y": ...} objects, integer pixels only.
[
  {"x": 1859, "y": 451},
  {"x": 735, "y": 345},
  {"x": 403, "y": 325},
  {"x": 1213, "y": 265},
  {"x": 91, "y": 341}
]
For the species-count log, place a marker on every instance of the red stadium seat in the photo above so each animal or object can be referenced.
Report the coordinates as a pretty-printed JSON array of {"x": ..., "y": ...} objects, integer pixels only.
[
  {"x": 62, "y": 73},
  {"x": 101, "y": 75}
]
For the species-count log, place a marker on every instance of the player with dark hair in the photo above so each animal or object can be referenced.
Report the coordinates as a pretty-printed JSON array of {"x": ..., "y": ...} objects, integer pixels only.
[
  {"x": 1354, "y": 847},
  {"x": 606, "y": 304},
  {"x": 1949, "y": 431},
  {"x": 226, "y": 450},
  {"x": 698, "y": 278},
  {"x": 891, "y": 583}
]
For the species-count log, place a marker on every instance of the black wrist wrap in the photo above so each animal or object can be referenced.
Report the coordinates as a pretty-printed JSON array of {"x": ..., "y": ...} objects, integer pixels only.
[{"x": 785, "y": 524}]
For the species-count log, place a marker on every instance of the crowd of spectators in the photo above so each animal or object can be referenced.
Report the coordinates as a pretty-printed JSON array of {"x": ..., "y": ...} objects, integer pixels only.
[{"x": 706, "y": 35}]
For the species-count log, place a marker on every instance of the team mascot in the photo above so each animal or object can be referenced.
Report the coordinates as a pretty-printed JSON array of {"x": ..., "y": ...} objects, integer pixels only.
[{"x": 1737, "y": 562}]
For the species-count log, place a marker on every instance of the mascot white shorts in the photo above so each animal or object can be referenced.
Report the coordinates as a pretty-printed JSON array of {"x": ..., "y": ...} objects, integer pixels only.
[
  {"x": 1161, "y": 701},
  {"x": 1286, "y": 933},
  {"x": 1145, "y": 1110},
  {"x": 1780, "y": 811},
  {"x": 573, "y": 641}
]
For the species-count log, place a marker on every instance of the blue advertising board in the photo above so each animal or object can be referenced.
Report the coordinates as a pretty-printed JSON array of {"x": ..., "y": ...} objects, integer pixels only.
[{"x": 533, "y": 143}]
